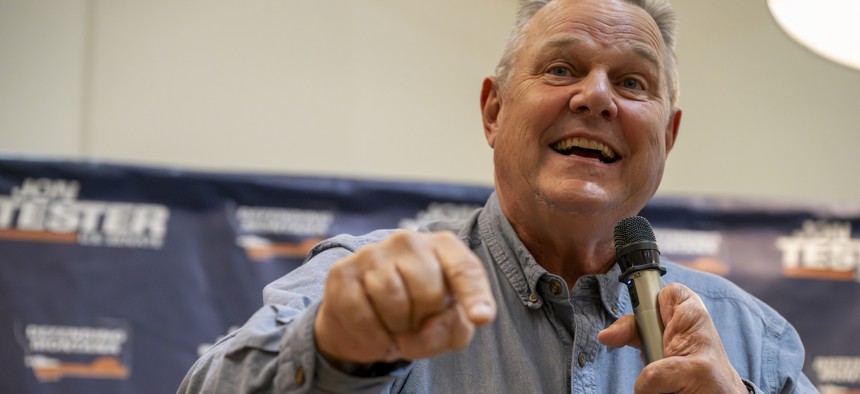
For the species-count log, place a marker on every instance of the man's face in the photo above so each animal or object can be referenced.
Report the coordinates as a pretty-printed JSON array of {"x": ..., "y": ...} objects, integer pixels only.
[{"x": 583, "y": 124}]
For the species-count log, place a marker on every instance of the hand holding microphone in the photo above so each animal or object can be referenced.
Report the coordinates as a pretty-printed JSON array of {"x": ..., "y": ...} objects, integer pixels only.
[{"x": 695, "y": 360}]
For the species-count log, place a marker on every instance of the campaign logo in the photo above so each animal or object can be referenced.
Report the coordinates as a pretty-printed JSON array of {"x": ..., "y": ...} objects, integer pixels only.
[
  {"x": 693, "y": 248},
  {"x": 268, "y": 232},
  {"x": 438, "y": 211},
  {"x": 837, "y": 374},
  {"x": 821, "y": 250},
  {"x": 55, "y": 352},
  {"x": 48, "y": 210}
]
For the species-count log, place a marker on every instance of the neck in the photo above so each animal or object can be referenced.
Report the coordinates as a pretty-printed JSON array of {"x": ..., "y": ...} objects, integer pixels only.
[{"x": 566, "y": 244}]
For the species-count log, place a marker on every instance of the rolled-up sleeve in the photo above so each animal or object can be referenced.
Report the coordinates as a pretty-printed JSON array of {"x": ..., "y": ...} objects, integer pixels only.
[{"x": 272, "y": 352}]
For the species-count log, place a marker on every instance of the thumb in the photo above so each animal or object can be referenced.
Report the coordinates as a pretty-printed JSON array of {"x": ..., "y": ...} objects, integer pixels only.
[{"x": 621, "y": 333}]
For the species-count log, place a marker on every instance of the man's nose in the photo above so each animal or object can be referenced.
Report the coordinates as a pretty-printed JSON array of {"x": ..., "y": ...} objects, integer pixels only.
[{"x": 593, "y": 97}]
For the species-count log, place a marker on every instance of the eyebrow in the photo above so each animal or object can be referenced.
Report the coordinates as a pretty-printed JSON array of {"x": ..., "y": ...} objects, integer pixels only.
[
  {"x": 644, "y": 51},
  {"x": 647, "y": 53}
]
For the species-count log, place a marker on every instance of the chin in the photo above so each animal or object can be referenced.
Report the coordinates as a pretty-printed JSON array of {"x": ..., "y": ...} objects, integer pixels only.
[{"x": 578, "y": 197}]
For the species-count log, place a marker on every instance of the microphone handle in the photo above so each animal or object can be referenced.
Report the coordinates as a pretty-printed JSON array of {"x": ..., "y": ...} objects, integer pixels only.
[{"x": 645, "y": 286}]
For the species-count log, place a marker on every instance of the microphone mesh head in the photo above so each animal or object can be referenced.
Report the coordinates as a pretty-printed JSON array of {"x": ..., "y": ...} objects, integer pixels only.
[{"x": 631, "y": 230}]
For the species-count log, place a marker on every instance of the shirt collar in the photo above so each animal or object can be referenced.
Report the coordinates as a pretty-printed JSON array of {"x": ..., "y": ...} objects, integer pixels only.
[
  {"x": 613, "y": 294},
  {"x": 523, "y": 272}
]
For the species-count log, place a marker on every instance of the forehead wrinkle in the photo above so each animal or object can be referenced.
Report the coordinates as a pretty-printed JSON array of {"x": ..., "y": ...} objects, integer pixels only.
[{"x": 608, "y": 24}]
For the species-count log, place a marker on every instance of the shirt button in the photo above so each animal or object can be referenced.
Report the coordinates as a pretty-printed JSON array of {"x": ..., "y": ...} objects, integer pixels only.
[
  {"x": 615, "y": 310},
  {"x": 300, "y": 375},
  {"x": 555, "y": 287},
  {"x": 581, "y": 359},
  {"x": 532, "y": 297}
]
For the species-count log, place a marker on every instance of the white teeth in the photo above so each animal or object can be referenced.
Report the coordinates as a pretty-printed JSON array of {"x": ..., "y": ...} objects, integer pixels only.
[{"x": 585, "y": 144}]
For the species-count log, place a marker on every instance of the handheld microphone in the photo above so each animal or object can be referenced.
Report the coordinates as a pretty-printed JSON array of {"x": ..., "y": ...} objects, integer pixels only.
[{"x": 639, "y": 259}]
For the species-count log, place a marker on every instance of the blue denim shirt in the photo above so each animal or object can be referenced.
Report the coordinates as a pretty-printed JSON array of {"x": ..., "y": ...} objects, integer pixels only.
[{"x": 544, "y": 339}]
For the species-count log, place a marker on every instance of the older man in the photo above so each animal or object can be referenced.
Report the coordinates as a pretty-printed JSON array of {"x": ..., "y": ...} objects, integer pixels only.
[{"x": 523, "y": 297}]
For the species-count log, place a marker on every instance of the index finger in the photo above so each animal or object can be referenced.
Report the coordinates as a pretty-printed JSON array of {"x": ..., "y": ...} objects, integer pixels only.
[
  {"x": 676, "y": 298},
  {"x": 466, "y": 277}
]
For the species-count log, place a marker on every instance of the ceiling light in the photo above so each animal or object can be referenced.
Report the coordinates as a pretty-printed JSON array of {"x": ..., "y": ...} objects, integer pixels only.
[{"x": 830, "y": 28}]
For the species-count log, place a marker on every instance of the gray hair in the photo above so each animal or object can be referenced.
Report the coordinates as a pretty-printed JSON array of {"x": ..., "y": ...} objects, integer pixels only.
[{"x": 660, "y": 10}]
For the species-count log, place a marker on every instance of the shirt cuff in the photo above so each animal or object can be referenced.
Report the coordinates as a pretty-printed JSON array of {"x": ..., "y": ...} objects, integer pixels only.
[{"x": 309, "y": 368}]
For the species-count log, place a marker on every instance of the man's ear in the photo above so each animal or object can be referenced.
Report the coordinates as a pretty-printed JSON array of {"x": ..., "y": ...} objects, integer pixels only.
[
  {"x": 490, "y": 105},
  {"x": 672, "y": 129}
]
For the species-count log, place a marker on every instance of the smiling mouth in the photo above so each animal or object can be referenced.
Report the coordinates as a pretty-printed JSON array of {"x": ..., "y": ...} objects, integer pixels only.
[{"x": 585, "y": 148}]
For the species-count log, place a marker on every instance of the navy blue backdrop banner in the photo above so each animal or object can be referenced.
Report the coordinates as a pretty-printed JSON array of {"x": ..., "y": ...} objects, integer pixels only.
[{"x": 114, "y": 278}]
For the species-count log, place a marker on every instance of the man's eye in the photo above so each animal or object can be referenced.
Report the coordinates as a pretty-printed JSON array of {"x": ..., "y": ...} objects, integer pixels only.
[
  {"x": 559, "y": 71},
  {"x": 631, "y": 83}
]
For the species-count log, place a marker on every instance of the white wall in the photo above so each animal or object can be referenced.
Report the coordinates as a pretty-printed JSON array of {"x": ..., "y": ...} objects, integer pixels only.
[
  {"x": 763, "y": 116},
  {"x": 42, "y": 62},
  {"x": 389, "y": 89}
]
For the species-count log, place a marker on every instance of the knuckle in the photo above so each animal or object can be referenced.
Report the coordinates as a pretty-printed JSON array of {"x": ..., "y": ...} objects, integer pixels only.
[
  {"x": 426, "y": 269},
  {"x": 681, "y": 293},
  {"x": 646, "y": 377},
  {"x": 694, "y": 311},
  {"x": 697, "y": 306},
  {"x": 403, "y": 239},
  {"x": 370, "y": 255},
  {"x": 446, "y": 236},
  {"x": 383, "y": 284},
  {"x": 397, "y": 296}
]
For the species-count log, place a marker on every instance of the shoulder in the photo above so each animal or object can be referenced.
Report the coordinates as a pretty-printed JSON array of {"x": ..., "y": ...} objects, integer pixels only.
[
  {"x": 721, "y": 293},
  {"x": 352, "y": 243},
  {"x": 738, "y": 315},
  {"x": 749, "y": 328}
]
